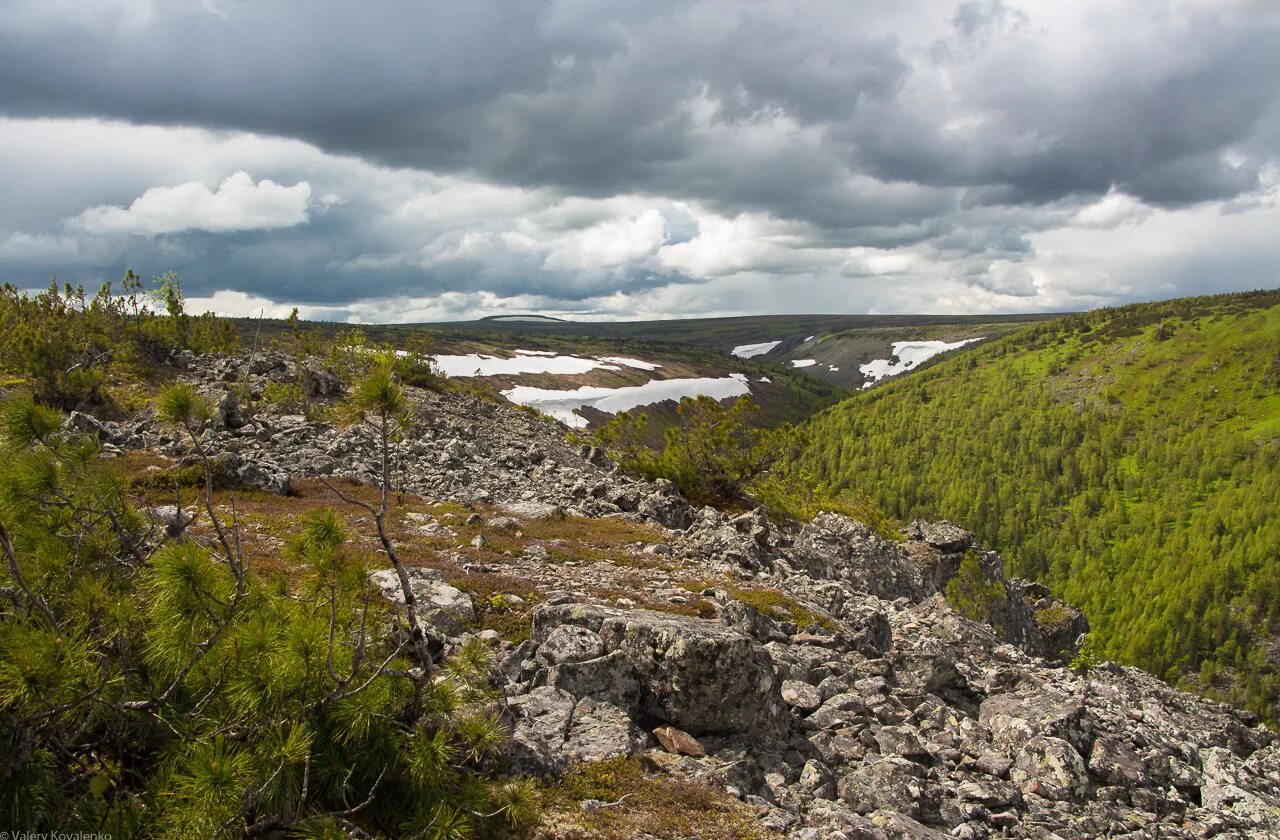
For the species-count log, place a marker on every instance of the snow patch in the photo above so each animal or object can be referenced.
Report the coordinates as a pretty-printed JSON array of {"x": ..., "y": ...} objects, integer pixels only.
[
  {"x": 802, "y": 363},
  {"x": 562, "y": 405},
  {"x": 631, "y": 363},
  {"x": 747, "y": 351},
  {"x": 908, "y": 355},
  {"x": 533, "y": 361},
  {"x": 479, "y": 364}
]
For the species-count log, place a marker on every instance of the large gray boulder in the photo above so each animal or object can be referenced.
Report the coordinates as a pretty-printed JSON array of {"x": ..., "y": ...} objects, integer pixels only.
[
  {"x": 891, "y": 783},
  {"x": 701, "y": 677},
  {"x": 553, "y": 730},
  {"x": 836, "y": 547},
  {"x": 1051, "y": 768},
  {"x": 1015, "y": 719},
  {"x": 697, "y": 675},
  {"x": 442, "y": 607}
]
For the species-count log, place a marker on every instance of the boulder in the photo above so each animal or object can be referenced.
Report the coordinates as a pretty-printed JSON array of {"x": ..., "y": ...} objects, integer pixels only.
[
  {"x": 264, "y": 475},
  {"x": 569, "y": 643},
  {"x": 891, "y": 783},
  {"x": 1014, "y": 719},
  {"x": 839, "y": 548},
  {"x": 679, "y": 742},
  {"x": 317, "y": 381},
  {"x": 610, "y": 677},
  {"x": 800, "y": 695},
  {"x": 228, "y": 415},
  {"x": 1114, "y": 762},
  {"x": 553, "y": 730},
  {"x": 441, "y": 606},
  {"x": 1051, "y": 768},
  {"x": 901, "y": 741},
  {"x": 944, "y": 536},
  {"x": 699, "y": 676}
]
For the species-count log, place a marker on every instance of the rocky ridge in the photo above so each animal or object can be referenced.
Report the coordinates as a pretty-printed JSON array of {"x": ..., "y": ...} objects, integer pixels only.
[{"x": 887, "y": 714}]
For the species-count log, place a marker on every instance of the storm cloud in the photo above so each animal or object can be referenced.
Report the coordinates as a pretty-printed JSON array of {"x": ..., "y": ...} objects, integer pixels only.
[{"x": 642, "y": 159}]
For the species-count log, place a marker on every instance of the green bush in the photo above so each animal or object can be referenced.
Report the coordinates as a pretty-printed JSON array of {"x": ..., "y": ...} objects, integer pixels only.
[
  {"x": 972, "y": 595},
  {"x": 153, "y": 688},
  {"x": 65, "y": 342}
]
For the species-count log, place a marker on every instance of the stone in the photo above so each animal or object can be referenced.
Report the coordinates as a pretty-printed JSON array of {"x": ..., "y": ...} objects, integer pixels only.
[
  {"x": 678, "y": 741},
  {"x": 891, "y": 783},
  {"x": 748, "y": 620},
  {"x": 696, "y": 675},
  {"x": 444, "y": 607},
  {"x": 1114, "y": 762},
  {"x": 173, "y": 519},
  {"x": 989, "y": 793},
  {"x": 902, "y": 741},
  {"x": 610, "y": 677},
  {"x": 944, "y": 536},
  {"x": 569, "y": 643},
  {"x": 836, "y": 547},
  {"x": 317, "y": 381},
  {"x": 1050, "y": 767},
  {"x": 1014, "y": 719},
  {"x": 800, "y": 695},
  {"x": 552, "y": 730}
]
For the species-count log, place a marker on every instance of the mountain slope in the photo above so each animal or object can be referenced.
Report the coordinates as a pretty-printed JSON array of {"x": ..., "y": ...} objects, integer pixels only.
[{"x": 1129, "y": 458}]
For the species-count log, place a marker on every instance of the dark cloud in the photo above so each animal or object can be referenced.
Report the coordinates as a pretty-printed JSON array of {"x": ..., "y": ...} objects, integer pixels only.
[
  {"x": 958, "y": 129},
  {"x": 596, "y": 98}
]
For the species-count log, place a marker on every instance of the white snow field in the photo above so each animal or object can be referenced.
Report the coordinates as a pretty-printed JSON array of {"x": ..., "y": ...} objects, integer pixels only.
[
  {"x": 478, "y": 364},
  {"x": 747, "y": 351},
  {"x": 533, "y": 361},
  {"x": 631, "y": 363},
  {"x": 803, "y": 362},
  {"x": 907, "y": 355},
  {"x": 561, "y": 404}
]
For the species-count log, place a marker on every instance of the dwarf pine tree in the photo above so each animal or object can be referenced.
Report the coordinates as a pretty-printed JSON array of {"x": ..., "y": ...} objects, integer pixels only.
[{"x": 161, "y": 687}]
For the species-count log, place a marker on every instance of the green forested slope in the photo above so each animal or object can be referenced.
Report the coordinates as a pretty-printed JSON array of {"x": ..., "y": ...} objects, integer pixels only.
[{"x": 1129, "y": 458}]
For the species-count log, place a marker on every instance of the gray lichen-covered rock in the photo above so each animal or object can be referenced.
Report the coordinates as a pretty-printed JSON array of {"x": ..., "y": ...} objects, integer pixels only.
[
  {"x": 441, "y": 606},
  {"x": 570, "y": 643},
  {"x": 891, "y": 783},
  {"x": 698, "y": 676},
  {"x": 553, "y": 730},
  {"x": 1051, "y": 768},
  {"x": 1014, "y": 719},
  {"x": 837, "y": 547}
]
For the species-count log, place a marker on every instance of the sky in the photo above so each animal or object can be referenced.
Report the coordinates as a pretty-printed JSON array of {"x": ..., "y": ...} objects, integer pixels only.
[{"x": 608, "y": 159}]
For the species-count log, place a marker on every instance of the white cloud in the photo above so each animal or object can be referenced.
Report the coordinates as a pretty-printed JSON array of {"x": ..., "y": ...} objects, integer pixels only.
[
  {"x": 1113, "y": 210},
  {"x": 611, "y": 243},
  {"x": 238, "y": 204}
]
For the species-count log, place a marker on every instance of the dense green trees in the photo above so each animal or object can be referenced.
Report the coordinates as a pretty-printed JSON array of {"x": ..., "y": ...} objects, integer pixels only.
[
  {"x": 1129, "y": 458},
  {"x": 718, "y": 456}
]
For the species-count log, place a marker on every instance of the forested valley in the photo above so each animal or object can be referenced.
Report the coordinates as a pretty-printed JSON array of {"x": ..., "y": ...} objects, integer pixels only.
[{"x": 1129, "y": 458}]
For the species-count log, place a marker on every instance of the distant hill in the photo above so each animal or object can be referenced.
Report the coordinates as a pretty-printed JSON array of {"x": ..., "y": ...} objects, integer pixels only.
[
  {"x": 829, "y": 348},
  {"x": 1129, "y": 458},
  {"x": 532, "y": 319}
]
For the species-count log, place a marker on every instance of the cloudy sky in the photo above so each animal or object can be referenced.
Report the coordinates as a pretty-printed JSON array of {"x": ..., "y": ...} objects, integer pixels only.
[{"x": 440, "y": 160}]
